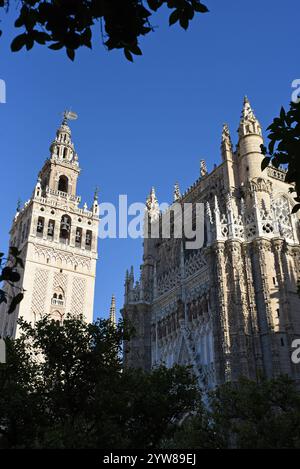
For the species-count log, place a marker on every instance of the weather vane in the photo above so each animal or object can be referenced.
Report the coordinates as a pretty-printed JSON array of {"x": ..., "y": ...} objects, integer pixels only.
[{"x": 70, "y": 116}]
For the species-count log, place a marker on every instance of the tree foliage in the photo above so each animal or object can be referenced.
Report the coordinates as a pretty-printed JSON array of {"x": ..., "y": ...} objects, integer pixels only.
[
  {"x": 284, "y": 147},
  {"x": 64, "y": 387},
  {"x": 71, "y": 24},
  {"x": 10, "y": 275},
  {"x": 246, "y": 415}
]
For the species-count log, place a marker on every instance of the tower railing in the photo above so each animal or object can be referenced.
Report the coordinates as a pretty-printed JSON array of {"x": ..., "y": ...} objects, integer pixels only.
[{"x": 63, "y": 195}]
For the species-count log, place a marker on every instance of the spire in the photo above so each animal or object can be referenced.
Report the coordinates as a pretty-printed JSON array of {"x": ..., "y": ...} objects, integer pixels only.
[
  {"x": 131, "y": 275},
  {"x": 95, "y": 206},
  {"x": 208, "y": 212},
  {"x": 62, "y": 148},
  {"x": 177, "y": 193},
  {"x": 249, "y": 125},
  {"x": 152, "y": 205},
  {"x": 226, "y": 145},
  {"x": 112, "y": 311},
  {"x": 96, "y": 193}
]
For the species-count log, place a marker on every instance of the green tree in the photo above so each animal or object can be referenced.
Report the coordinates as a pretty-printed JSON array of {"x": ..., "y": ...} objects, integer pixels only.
[
  {"x": 64, "y": 386},
  {"x": 284, "y": 147},
  {"x": 71, "y": 24},
  {"x": 246, "y": 415}
]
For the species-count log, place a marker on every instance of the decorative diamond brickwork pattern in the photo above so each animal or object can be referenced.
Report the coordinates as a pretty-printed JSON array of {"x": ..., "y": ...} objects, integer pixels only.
[
  {"x": 41, "y": 279},
  {"x": 78, "y": 296}
]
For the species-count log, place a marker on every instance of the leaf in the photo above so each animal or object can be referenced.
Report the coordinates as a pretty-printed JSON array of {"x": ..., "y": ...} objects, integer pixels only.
[
  {"x": 174, "y": 16},
  {"x": 154, "y": 4},
  {"x": 135, "y": 50},
  {"x": 263, "y": 149},
  {"x": 200, "y": 7},
  {"x": 271, "y": 146},
  {"x": 56, "y": 46},
  {"x": 19, "y": 22},
  {"x": 282, "y": 114},
  {"x": 71, "y": 54},
  {"x": 41, "y": 37},
  {"x": 18, "y": 42},
  {"x": 296, "y": 208},
  {"x": 14, "y": 251},
  {"x": 184, "y": 22},
  {"x": 10, "y": 275},
  {"x": 29, "y": 42},
  {"x": 128, "y": 55},
  {"x": 265, "y": 163},
  {"x": 20, "y": 262},
  {"x": 14, "y": 302}
]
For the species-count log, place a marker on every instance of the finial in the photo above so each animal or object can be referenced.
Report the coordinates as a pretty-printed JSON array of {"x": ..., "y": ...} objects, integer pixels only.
[
  {"x": 96, "y": 193},
  {"x": 69, "y": 116},
  {"x": 18, "y": 209},
  {"x": 226, "y": 145},
  {"x": 177, "y": 193},
  {"x": 249, "y": 123},
  {"x": 216, "y": 209},
  {"x": 226, "y": 135},
  {"x": 112, "y": 311},
  {"x": 228, "y": 201},
  {"x": 203, "y": 168},
  {"x": 152, "y": 205},
  {"x": 208, "y": 212}
]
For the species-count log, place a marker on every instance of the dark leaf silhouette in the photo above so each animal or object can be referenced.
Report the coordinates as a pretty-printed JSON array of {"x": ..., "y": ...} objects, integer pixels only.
[
  {"x": 73, "y": 24},
  {"x": 14, "y": 303},
  {"x": 284, "y": 147}
]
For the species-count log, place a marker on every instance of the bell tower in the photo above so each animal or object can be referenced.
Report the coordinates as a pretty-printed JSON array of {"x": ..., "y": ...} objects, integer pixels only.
[{"x": 58, "y": 242}]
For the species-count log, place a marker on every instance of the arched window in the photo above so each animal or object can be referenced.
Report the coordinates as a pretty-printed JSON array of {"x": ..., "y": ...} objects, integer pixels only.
[
  {"x": 58, "y": 298},
  {"x": 88, "y": 240},
  {"x": 78, "y": 237},
  {"x": 63, "y": 184},
  {"x": 50, "y": 232},
  {"x": 65, "y": 229},
  {"x": 40, "y": 227},
  {"x": 65, "y": 153}
]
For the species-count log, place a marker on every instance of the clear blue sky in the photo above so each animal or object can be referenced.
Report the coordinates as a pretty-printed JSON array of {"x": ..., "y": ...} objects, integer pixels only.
[{"x": 147, "y": 123}]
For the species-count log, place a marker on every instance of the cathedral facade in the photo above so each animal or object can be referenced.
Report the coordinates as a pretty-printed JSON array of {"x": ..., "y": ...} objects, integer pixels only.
[
  {"x": 230, "y": 308},
  {"x": 58, "y": 243}
]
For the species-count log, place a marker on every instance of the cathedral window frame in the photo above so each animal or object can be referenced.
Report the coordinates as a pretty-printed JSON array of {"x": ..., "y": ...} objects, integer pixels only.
[
  {"x": 40, "y": 227},
  {"x": 65, "y": 228},
  {"x": 63, "y": 184},
  {"x": 88, "y": 240}
]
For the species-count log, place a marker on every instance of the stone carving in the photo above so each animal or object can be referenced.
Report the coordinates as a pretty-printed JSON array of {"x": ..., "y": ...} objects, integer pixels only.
[
  {"x": 38, "y": 302},
  {"x": 282, "y": 213},
  {"x": 78, "y": 296}
]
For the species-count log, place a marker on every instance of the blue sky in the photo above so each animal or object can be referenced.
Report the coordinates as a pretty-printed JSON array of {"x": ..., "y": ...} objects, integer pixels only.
[{"x": 147, "y": 123}]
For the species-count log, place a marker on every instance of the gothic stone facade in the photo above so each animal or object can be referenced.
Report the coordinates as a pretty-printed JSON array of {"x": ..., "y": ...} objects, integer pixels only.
[
  {"x": 58, "y": 243},
  {"x": 230, "y": 308}
]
